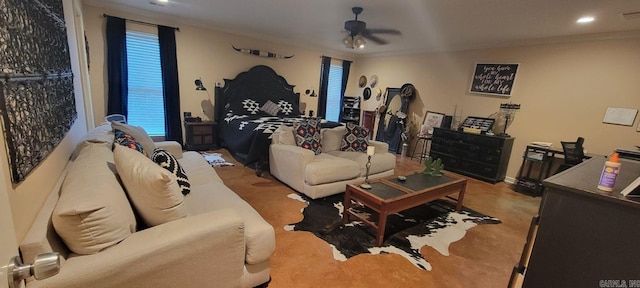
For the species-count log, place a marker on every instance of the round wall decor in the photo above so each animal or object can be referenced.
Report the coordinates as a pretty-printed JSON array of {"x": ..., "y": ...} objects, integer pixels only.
[
  {"x": 408, "y": 91},
  {"x": 373, "y": 81},
  {"x": 378, "y": 93},
  {"x": 366, "y": 94},
  {"x": 363, "y": 81}
]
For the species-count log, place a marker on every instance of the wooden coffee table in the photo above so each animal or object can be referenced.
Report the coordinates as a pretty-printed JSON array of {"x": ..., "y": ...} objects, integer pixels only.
[{"x": 390, "y": 195}]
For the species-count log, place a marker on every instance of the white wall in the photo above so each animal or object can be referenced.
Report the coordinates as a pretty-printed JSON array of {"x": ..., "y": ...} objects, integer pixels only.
[{"x": 564, "y": 89}]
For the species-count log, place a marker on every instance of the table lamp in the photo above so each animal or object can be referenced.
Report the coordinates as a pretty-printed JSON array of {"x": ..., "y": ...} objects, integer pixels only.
[
  {"x": 509, "y": 109},
  {"x": 370, "y": 151}
]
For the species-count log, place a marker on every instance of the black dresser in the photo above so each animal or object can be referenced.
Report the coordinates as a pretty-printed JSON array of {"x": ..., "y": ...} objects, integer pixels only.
[{"x": 479, "y": 156}]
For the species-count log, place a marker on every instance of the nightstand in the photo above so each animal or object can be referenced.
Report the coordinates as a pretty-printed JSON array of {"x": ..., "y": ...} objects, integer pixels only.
[{"x": 200, "y": 135}]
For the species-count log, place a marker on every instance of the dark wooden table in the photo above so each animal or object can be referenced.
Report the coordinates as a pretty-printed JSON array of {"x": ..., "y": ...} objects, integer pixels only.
[{"x": 390, "y": 195}]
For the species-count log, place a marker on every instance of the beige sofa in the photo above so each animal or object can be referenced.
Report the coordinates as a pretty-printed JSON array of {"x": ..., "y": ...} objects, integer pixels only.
[
  {"x": 329, "y": 172},
  {"x": 222, "y": 241}
]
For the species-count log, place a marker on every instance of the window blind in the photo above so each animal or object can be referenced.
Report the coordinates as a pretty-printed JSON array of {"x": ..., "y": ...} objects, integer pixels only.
[
  {"x": 334, "y": 104},
  {"x": 145, "y": 100}
]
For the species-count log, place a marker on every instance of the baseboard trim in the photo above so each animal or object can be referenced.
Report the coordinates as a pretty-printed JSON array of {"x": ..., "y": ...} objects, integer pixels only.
[{"x": 510, "y": 180}]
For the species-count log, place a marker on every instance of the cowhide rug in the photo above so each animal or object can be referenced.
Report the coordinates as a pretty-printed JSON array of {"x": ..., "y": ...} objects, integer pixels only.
[{"x": 435, "y": 224}]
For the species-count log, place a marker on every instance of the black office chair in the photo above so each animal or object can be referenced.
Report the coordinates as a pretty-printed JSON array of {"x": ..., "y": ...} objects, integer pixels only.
[{"x": 573, "y": 154}]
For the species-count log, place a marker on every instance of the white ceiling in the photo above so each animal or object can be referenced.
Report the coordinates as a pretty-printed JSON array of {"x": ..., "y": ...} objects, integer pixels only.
[{"x": 426, "y": 25}]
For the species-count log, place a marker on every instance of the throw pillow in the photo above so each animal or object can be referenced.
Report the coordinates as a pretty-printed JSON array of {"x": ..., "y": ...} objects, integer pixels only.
[
  {"x": 138, "y": 133},
  {"x": 355, "y": 138},
  {"x": 285, "y": 135},
  {"x": 270, "y": 108},
  {"x": 167, "y": 161},
  {"x": 93, "y": 212},
  {"x": 127, "y": 140},
  {"x": 307, "y": 134},
  {"x": 153, "y": 190}
]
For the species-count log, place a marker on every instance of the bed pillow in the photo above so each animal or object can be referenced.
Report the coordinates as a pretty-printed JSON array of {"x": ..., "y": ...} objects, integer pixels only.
[
  {"x": 167, "y": 161},
  {"x": 153, "y": 190},
  {"x": 355, "y": 138},
  {"x": 124, "y": 139},
  {"x": 270, "y": 108},
  {"x": 287, "y": 109},
  {"x": 138, "y": 134},
  {"x": 307, "y": 135}
]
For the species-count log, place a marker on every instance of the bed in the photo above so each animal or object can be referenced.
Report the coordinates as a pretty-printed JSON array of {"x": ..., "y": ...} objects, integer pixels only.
[{"x": 243, "y": 128}]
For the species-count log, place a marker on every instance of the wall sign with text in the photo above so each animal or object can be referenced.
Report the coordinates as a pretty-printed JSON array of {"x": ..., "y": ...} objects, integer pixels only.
[{"x": 494, "y": 79}]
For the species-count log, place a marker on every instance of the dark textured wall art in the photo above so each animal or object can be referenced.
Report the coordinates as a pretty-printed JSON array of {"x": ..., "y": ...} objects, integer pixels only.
[{"x": 37, "y": 99}]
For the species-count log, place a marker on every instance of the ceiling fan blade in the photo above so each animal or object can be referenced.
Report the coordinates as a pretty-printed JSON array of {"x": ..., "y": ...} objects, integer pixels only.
[
  {"x": 384, "y": 31},
  {"x": 374, "y": 39}
]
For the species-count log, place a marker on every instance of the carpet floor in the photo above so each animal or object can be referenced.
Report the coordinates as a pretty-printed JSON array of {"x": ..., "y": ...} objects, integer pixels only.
[{"x": 484, "y": 257}]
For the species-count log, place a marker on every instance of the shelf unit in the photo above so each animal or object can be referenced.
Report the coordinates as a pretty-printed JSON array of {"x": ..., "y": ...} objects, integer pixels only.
[
  {"x": 479, "y": 156},
  {"x": 349, "y": 112},
  {"x": 534, "y": 156}
]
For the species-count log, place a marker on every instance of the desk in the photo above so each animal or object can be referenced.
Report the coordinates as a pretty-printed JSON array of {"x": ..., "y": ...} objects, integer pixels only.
[
  {"x": 585, "y": 235},
  {"x": 536, "y": 154}
]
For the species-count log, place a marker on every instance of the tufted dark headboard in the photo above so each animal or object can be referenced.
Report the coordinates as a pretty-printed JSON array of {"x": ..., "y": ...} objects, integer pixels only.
[{"x": 260, "y": 83}]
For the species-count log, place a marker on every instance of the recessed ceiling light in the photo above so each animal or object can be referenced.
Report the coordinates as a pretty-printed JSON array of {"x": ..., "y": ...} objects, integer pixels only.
[
  {"x": 585, "y": 19},
  {"x": 161, "y": 3}
]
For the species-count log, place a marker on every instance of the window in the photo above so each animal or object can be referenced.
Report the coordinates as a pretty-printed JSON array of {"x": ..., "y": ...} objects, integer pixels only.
[
  {"x": 334, "y": 101},
  {"x": 145, "y": 100}
]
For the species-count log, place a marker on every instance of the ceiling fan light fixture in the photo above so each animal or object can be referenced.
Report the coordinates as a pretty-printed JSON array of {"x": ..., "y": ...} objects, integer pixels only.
[
  {"x": 359, "y": 41},
  {"x": 348, "y": 41}
]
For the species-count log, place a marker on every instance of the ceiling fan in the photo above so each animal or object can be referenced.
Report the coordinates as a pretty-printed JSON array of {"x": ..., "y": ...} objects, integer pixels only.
[{"x": 358, "y": 32}]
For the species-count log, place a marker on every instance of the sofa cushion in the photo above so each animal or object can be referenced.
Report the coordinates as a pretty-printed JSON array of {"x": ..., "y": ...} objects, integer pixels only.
[
  {"x": 167, "y": 161},
  {"x": 327, "y": 168},
  {"x": 138, "y": 133},
  {"x": 355, "y": 138},
  {"x": 284, "y": 135},
  {"x": 198, "y": 169},
  {"x": 153, "y": 190},
  {"x": 259, "y": 234},
  {"x": 93, "y": 212},
  {"x": 332, "y": 138},
  {"x": 100, "y": 134},
  {"x": 380, "y": 162},
  {"x": 124, "y": 139},
  {"x": 307, "y": 135}
]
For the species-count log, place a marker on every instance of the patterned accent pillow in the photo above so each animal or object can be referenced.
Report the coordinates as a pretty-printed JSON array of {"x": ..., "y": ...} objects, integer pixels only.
[
  {"x": 307, "y": 134},
  {"x": 167, "y": 161},
  {"x": 270, "y": 108},
  {"x": 355, "y": 138},
  {"x": 127, "y": 140}
]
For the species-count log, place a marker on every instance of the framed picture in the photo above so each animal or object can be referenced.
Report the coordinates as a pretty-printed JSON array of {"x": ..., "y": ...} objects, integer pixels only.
[
  {"x": 620, "y": 116},
  {"x": 493, "y": 79},
  {"x": 432, "y": 119},
  {"x": 484, "y": 124}
]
